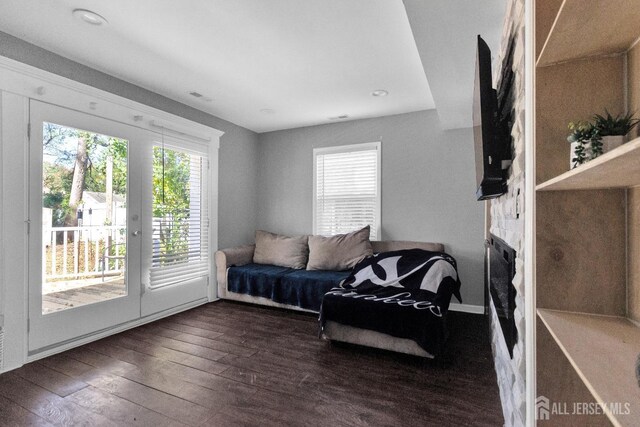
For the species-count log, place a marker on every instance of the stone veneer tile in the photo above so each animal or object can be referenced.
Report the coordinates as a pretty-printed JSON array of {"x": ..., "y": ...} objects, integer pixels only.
[{"x": 506, "y": 224}]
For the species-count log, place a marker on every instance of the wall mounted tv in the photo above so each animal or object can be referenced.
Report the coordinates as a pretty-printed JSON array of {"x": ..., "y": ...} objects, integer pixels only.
[{"x": 492, "y": 117}]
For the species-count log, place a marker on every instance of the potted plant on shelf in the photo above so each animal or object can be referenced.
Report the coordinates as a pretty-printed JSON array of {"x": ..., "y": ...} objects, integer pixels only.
[
  {"x": 586, "y": 143},
  {"x": 614, "y": 130}
]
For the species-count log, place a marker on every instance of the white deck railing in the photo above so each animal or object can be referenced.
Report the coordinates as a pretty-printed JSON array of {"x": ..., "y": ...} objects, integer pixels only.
[{"x": 86, "y": 246}]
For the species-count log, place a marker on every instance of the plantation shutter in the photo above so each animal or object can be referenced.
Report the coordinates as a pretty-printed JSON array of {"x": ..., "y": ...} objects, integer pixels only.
[
  {"x": 180, "y": 216},
  {"x": 347, "y": 193}
]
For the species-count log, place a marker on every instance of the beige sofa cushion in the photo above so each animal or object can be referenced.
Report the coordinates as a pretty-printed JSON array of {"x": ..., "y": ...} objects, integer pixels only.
[
  {"x": 340, "y": 252},
  {"x": 284, "y": 251}
]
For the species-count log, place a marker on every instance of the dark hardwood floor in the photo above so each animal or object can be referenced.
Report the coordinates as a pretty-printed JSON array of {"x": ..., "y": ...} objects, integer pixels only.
[{"x": 227, "y": 364}]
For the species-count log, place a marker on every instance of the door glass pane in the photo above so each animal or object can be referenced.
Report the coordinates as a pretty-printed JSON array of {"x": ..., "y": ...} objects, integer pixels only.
[
  {"x": 180, "y": 237},
  {"x": 84, "y": 215}
]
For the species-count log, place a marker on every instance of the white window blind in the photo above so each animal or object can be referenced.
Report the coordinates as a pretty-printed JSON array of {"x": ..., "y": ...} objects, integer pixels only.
[
  {"x": 347, "y": 189},
  {"x": 180, "y": 216}
]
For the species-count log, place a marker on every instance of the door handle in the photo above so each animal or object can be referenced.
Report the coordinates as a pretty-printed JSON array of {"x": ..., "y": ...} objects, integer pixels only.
[{"x": 136, "y": 233}]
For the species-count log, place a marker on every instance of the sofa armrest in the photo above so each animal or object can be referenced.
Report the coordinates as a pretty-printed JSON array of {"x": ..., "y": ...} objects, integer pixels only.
[{"x": 225, "y": 258}]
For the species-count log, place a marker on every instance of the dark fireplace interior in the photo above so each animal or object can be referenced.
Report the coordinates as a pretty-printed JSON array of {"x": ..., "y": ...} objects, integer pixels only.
[{"x": 502, "y": 268}]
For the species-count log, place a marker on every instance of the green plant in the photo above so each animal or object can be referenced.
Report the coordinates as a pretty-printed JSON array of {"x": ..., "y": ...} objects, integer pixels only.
[
  {"x": 580, "y": 131},
  {"x": 584, "y": 134},
  {"x": 618, "y": 125}
]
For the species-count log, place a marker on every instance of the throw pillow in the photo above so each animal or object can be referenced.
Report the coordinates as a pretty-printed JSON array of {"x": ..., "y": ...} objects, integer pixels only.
[
  {"x": 283, "y": 251},
  {"x": 340, "y": 252}
]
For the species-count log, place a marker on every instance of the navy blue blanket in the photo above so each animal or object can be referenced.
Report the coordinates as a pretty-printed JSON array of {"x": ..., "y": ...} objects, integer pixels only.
[{"x": 301, "y": 288}]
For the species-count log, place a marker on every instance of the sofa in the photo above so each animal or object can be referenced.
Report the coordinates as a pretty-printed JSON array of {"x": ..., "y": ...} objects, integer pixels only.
[
  {"x": 244, "y": 255},
  {"x": 299, "y": 273}
]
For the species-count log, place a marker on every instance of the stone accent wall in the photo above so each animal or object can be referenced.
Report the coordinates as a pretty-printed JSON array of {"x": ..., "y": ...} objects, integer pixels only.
[{"x": 507, "y": 222}]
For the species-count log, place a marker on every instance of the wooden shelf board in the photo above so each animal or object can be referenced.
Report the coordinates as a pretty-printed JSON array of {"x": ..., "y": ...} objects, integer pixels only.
[
  {"x": 585, "y": 28},
  {"x": 603, "y": 351},
  {"x": 619, "y": 168}
]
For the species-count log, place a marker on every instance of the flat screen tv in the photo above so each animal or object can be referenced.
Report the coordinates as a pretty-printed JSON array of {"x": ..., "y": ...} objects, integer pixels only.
[{"x": 491, "y": 137}]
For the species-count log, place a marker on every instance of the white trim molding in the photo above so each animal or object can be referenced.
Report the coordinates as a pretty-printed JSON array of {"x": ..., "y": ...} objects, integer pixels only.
[
  {"x": 466, "y": 308},
  {"x": 530, "y": 212},
  {"x": 34, "y": 83}
]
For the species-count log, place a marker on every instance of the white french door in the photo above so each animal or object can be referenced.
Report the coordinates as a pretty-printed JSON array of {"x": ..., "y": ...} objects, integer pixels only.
[
  {"x": 84, "y": 257},
  {"x": 175, "y": 250},
  {"x": 118, "y": 224}
]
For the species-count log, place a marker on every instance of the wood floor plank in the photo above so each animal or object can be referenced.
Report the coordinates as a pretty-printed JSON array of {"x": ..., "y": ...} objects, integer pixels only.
[
  {"x": 201, "y": 341},
  {"x": 119, "y": 410},
  {"x": 47, "y": 405},
  {"x": 154, "y": 399},
  {"x": 170, "y": 324},
  {"x": 192, "y": 385},
  {"x": 183, "y": 319},
  {"x": 135, "y": 392},
  {"x": 100, "y": 361},
  {"x": 148, "y": 365},
  {"x": 55, "y": 382},
  {"x": 64, "y": 364},
  {"x": 164, "y": 353},
  {"x": 12, "y": 414},
  {"x": 197, "y": 350},
  {"x": 262, "y": 343}
]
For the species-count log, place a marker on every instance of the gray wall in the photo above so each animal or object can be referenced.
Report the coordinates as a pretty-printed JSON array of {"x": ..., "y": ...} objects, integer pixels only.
[
  {"x": 238, "y": 146},
  {"x": 428, "y": 184}
]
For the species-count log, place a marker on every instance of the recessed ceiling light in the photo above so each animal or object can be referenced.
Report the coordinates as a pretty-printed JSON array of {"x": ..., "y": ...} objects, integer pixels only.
[
  {"x": 268, "y": 111},
  {"x": 89, "y": 17},
  {"x": 379, "y": 92},
  {"x": 200, "y": 96},
  {"x": 342, "y": 117}
]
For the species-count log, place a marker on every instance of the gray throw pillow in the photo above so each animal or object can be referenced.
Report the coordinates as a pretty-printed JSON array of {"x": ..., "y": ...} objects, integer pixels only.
[
  {"x": 340, "y": 252},
  {"x": 283, "y": 251}
]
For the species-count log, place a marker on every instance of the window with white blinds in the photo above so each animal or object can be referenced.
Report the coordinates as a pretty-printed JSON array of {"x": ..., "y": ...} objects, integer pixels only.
[
  {"x": 180, "y": 217},
  {"x": 347, "y": 189}
]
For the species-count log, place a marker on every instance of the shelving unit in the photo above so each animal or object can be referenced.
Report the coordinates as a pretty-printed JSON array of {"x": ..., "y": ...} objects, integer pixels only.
[
  {"x": 600, "y": 349},
  {"x": 588, "y": 218},
  {"x": 615, "y": 169},
  {"x": 590, "y": 28}
]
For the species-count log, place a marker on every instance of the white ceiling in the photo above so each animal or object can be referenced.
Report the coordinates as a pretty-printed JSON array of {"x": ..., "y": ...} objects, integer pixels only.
[
  {"x": 445, "y": 32},
  {"x": 276, "y": 64}
]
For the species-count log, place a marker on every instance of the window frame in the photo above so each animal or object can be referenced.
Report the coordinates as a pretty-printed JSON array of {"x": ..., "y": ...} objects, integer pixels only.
[{"x": 350, "y": 148}]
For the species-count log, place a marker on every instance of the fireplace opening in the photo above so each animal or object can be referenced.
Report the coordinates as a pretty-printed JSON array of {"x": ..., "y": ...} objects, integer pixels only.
[{"x": 502, "y": 268}]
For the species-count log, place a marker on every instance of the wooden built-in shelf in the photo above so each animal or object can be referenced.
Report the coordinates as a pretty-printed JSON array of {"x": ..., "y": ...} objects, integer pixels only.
[
  {"x": 603, "y": 351},
  {"x": 591, "y": 28},
  {"x": 619, "y": 168}
]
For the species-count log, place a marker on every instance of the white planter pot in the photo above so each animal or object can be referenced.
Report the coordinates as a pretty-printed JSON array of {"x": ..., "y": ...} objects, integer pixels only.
[
  {"x": 588, "y": 152},
  {"x": 612, "y": 141}
]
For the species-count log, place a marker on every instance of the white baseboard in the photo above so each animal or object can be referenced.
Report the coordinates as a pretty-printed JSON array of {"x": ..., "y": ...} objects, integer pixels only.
[{"x": 466, "y": 308}]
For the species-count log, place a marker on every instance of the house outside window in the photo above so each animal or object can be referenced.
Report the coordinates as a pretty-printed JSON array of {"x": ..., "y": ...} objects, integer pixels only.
[{"x": 346, "y": 189}]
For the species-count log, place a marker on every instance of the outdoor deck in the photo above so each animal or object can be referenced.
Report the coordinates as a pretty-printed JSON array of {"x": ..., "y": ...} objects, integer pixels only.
[{"x": 69, "y": 294}]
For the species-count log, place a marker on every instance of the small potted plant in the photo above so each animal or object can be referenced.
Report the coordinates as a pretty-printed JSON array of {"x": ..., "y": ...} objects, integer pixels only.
[
  {"x": 614, "y": 130},
  {"x": 586, "y": 143}
]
